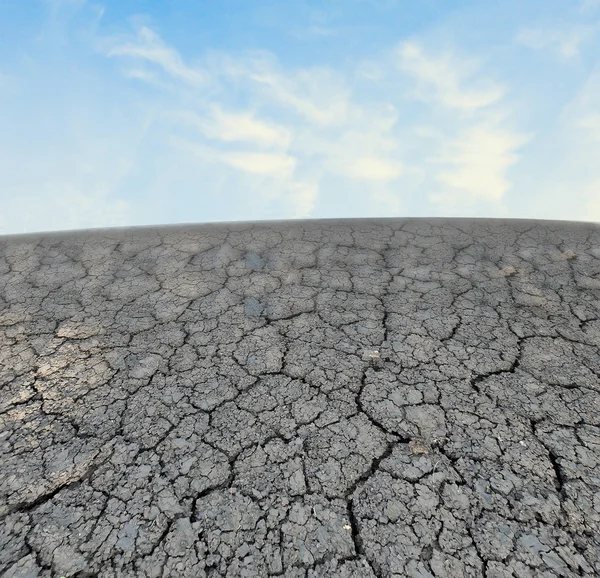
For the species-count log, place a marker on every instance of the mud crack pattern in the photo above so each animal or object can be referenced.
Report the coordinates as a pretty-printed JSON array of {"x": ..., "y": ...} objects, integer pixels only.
[{"x": 352, "y": 398}]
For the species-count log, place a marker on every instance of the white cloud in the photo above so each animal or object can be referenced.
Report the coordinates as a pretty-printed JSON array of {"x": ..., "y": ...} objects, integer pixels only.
[
  {"x": 318, "y": 94},
  {"x": 377, "y": 169},
  {"x": 312, "y": 31},
  {"x": 145, "y": 76},
  {"x": 302, "y": 199},
  {"x": 280, "y": 165},
  {"x": 372, "y": 168},
  {"x": 284, "y": 90},
  {"x": 566, "y": 42},
  {"x": 226, "y": 126},
  {"x": 150, "y": 47},
  {"x": 482, "y": 155},
  {"x": 441, "y": 78},
  {"x": 270, "y": 164},
  {"x": 365, "y": 150},
  {"x": 243, "y": 127}
]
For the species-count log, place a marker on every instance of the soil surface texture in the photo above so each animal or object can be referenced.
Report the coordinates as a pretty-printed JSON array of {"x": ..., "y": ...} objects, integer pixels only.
[{"x": 331, "y": 398}]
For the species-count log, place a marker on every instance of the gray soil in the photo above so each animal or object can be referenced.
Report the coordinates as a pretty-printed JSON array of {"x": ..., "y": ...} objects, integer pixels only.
[{"x": 344, "y": 398}]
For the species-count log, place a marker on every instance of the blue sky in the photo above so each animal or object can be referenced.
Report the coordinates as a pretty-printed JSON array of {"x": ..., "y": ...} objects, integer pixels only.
[{"x": 139, "y": 112}]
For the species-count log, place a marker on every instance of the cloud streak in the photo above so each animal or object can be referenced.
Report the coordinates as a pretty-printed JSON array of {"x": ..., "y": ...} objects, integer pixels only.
[
  {"x": 481, "y": 155},
  {"x": 565, "y": 42},
  {"x": 218, "y": 124},
  {"x": 440, "y": 78},
  {"x": 149, "y": 47}
]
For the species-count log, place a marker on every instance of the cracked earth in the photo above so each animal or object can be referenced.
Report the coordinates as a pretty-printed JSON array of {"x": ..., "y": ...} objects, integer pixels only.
[{"x": 347, "y": 398}]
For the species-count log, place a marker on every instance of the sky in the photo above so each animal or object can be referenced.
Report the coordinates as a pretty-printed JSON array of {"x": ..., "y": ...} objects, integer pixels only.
[{"x": 128, "y": 113}]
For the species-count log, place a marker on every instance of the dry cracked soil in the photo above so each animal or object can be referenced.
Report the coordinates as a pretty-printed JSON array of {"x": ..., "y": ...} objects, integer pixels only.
[{"x": 345, "y": 398}]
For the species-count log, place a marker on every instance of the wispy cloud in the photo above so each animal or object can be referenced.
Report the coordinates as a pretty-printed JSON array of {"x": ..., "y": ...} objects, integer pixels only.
[
  {"x": 566, "y": 42},
  {"x": 278, "y": 165},
  {"x": 145, "y": 76},
  {"x": 150, "y": 47},
  {"x": 312, "y": 32},
  {"x": 369, "y": 159},
  {"x": 302, "y": 199},
  {"x": 261, "y": 163},
  {"x": 440, "y": 78},
  {"x": 481, "y": 156},
  {"x": 373, "y": 168},
  {"x": 317, "y": 94},
  {"x": 218, "y": 124}
]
